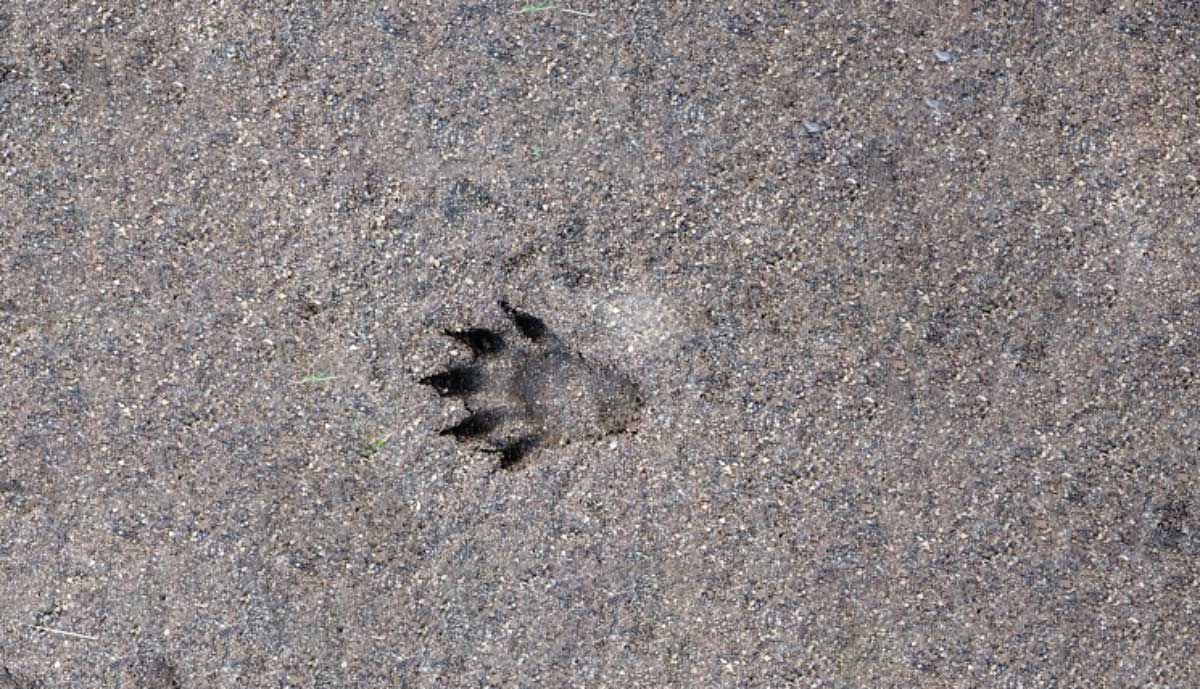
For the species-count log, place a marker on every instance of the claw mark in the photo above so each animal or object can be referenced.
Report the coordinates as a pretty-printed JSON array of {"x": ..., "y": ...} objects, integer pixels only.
[
  {"x": 514, "y": 451},
  {"x": 456, "y": 381},
  {"x": 478, "y": 423},
  {"x": 529, "y": 325},
  {"x": 483, "y": 342}
]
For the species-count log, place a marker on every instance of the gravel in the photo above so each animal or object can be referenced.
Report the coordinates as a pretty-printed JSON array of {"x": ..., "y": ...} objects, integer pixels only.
[{"x": 908, "y": 292}]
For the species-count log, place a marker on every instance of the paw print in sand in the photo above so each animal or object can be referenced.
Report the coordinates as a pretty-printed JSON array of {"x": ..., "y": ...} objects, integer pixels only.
[{"x": 532, "y": 391}]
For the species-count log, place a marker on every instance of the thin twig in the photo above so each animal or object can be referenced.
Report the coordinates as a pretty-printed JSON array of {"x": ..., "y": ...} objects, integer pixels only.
[
  {"x": 317, "y": 378},
  {"x": 65, "y": 633},
  {"x": 529, "y": 9}
]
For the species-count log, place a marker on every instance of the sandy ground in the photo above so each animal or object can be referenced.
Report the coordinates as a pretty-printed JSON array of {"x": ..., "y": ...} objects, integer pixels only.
[{"x": 909, "y": 291}]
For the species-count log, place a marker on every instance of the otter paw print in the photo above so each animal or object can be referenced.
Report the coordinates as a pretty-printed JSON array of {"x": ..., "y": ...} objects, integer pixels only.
[{"x": 531, "y": 391}]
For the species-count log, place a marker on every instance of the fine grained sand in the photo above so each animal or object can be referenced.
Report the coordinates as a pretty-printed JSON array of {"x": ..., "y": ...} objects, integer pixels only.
[{"x": 909, "y": 292}]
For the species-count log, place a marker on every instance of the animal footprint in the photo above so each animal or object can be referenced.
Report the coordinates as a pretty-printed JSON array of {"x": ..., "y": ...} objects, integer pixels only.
[{"x": 532, "y": 391}]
